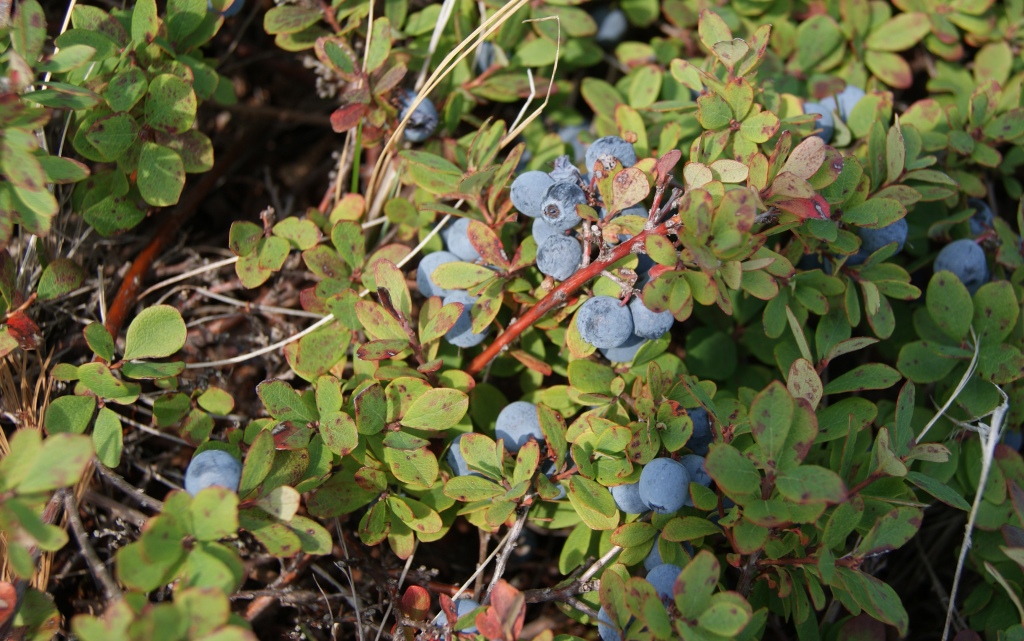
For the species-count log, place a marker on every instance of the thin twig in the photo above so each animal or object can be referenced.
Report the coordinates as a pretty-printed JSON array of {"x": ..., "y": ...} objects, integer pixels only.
[
  {"x": 118, "y": 481},
  {"x": 99, "y": 571},
  {"x": 510, "y": 544}
]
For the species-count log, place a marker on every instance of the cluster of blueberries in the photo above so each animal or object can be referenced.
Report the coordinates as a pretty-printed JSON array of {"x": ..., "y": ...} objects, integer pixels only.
[
  {"x": 664, "y": 487},
  {"x": 963, "y": 257},
  {"x": 212, "y": 468}
]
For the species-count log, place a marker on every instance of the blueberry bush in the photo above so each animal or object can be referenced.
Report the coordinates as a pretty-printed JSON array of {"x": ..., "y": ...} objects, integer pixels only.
[{"x": 551, "y": 320}]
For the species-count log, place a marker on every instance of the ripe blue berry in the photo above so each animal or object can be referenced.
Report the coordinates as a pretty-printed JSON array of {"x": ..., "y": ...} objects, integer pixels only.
[
  {"x": 871, "y": 240},
  {"x": 648, "y": 324},
  {"x": 627, "y": 498},
  {"x": 425, "y": 271},
  {"x": 626, "y": 352},
  {"x": 542, "y": 231},
  {"x": 844, "y": 101},
  {"x": 516, "y": 423},
  {"x": 559, "y": 206},
  {"x": 423, "y": 121},
  {"x": 664, "y": 485},
  {"x": 611, "y": 26},
  {"x": 606, "y": 627},
  {"x": 462, "y": 608},
  {"x": 694, "y": 465},
  {"x": 966, "y": 260},
  {"x": 528, "y": 192},
  {"x": 570, "y": 134},
  {"x": 461, "y": 334},
  {"x": 702, "y": 436},
  {"x": 456, "y": 238},
  {"x": 212, "y": 467},
  {"x": 455, "y": 459},
  {"x": 559, "y": 256},
  {"x": 982, "y": 218},
  {"x": 564, "y": 171},
  {"x": 826, "y": 124},
  {"x": 608, "y": 147},
  {"x": 662, "y": 578},
  {"x": 603, "y": 322},
  {"x": 231, "y": 10}
]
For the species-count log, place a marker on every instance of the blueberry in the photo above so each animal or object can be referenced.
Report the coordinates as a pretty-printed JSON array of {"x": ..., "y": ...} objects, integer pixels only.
[
  {"x": 1014, "y": 439},
  {"x": 461, "y": 334},
  {"x": 462, "y": 608},
  {"x": 212, "y": 467},
  {"x": 559, "y": 256},
  {"x": 542, "y": 231},
  {"x": 662, "y": 578},
  {"x": 559, "y": 205},
  {"x": 844, "y": 101},
  {"x": 626, "y": 352},
  {"x": 611, "y": 26},
  {"x": 232, "y": 9},
  {"x": 484, "y": 56},
  {"x": 871, "y": 240},
  {"x": 966, "y": 260},
  {"x": 455, "y": 459},
  {"x": 648, "y": 324},
  {"x": 612, "y": 146},
  {"x": 528, "y": 192},
  {"x": 428, "y": 265},
  {"x": 604, "y": 323},
  {"x": 702, "y": 436},
  {"x": 516, "y": 423},
  {"x": 423, "y": 121},
  {"x": 627, "y": 498},
  {"x": 606, "y": 627},
  {"x": 825, "y": 123},
  {"x": 664, "y": 485},
  {"x": 570, "y": 134},
  {"x": 694, "y": 465},
  {"x": 653, "y": 558},
  {"x": 982, "y": 218},
  {"x": 456, "y": 238},
  {"x": 564, "y": 171}
]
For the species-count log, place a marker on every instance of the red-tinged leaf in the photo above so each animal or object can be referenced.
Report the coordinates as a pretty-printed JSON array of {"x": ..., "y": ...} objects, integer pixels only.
[
  {"x": 629, "y": 187},
  {"x": 532, "y": 362},
  {"x": 504, "y": 619},
  {"x": 441, "y": 322},
  {"x": 663, "y": 168},
  {"x": 430, "y": 366},
  {"x": 789, "y": 186},
  {"x": 382, "y": 349},
  {"x": 291, "y": 436},
  {"x": 8, "y": 601},
  {"x": 347, "y": 117},
  {"x": 416, "y": 603},
  {"x": 487, "y": 243},
  {"x": 806, "y": 158},
  {"x": 24, "y": 330},
  {"x": 803, "y": 209}
]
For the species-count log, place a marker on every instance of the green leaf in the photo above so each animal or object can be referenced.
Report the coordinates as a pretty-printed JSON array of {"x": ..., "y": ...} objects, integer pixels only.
[
  {"x": 733, "y": 472},
  {"x": 339, "y": 432},
  {"x": 258, "y": 462},
  {"x": 161, "y": 175},
  {"x": 592, "y": 502},
  {"x": 460, "y": 275},
  {"x": 214, "y": 513},
  {"x": 63, "y": 171},
  {"x": 727, "y": 614},
  {"x": 216, "y": 401},
  {"x": 688, "y": 528},
  {"x": 900, "y": 33},
  {"x": 69, "y": 414},
  {"x": 380, "y": 44},
  {"x": 349, "y": 241},
  {"x": 472, "y": 488},
  {"x": 60, "y": 277},
  {"x": 871, "y": 376},
  {"x": 170, "y": 104},
  {"x": 243, "y": 237},
  {"x": 891, "y": 531},
  {"x": 415, "y": 466},
  {"x": 698, "y": 580},
  {"x": 107, "y": 437},
  {"x": 949, "y": 305},
  {"x": 437, "y": 409},
  {"x": 816, "y": 39},
  {"x": 61, "y": 462},
  {"x": 810, "y": 483},
  {"x": 939, "y": 490},
  {"x": 284, "y": 403},
  {"x": 29, "y": 30},
  {"x": 184, "y": 17},
  {"x": 277, "y": 537},
  {"x": 995, "y": 312},
  {"x": 760, "y": 127},
  {"x": 771, "y": 415},
  {"x": 157, "y": 332},
  {"x": 712, "y": 28},
  {"x": 290, "y": 19},
  {"x": 713, "y": 112},
  {"x": 150, "y": 370},
  {"x": 144, "y": 21},
  {"x": 890, "y": 68},
  {"x": 877, "y": 598},
  {"x": 282, "y": 502}
]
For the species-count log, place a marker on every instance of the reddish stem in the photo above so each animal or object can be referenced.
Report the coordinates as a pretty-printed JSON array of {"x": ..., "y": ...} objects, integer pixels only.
[{"x": 558, "y": 296}]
